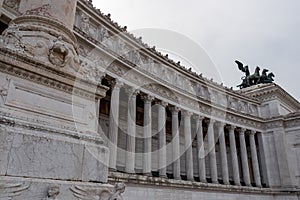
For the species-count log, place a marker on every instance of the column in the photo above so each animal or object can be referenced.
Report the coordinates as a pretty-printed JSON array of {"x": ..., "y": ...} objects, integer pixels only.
[
  {"x": 200, "y": 149},
  {"x": 223, "y": 153},
  {"x": 175, "y": 143},
  {"x": 234, "y": 158},
  {"x": 162, "y": 159},
  {"x": 212, "y": 152},
  {"x": 147, "y": 134},
  {"x": 114, "y": 123},
  {"x": 244, "y": 157},
  {"x": 131, "y": 130},
  {"x": 254, "y": 159},
  {"x": 98, "y": 101},
  {"x": 188, "y": 145}
]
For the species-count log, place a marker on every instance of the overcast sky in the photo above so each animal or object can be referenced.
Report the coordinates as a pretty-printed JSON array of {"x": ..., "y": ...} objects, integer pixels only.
[{"x": 256, "y": 32}]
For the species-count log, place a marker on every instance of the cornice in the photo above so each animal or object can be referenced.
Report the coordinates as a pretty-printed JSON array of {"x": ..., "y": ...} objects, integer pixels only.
[
  {"x": 292, "y": 120},
  {"x": 28, "y": 69},
  {"x": 272, "y": 91}
]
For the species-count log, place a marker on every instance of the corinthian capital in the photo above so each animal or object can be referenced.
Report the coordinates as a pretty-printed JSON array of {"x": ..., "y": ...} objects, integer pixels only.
[
  {"x": 116, "y": 84},
  {"x": 147, "y": 98},
  {"x": 174, "y": 110}
]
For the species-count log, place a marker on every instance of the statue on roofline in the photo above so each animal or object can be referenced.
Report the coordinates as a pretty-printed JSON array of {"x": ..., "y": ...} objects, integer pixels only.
[{"x": 255, "y": 78}]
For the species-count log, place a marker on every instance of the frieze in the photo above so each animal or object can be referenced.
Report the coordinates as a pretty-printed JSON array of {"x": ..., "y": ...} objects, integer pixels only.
[
  {"x": 278, "y": 123},
  {"x": 292, "y": 123},
  {"x": 161, "y": 91},
  {"x": 117, "y": 69}
]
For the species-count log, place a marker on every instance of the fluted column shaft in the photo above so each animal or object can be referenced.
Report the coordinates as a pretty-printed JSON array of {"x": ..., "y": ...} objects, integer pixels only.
[
  {"x": 234, "y": 158},
  {"x": 188, "y": 145},
  {"x": 162, "y": 160},
  {"x": 114, "y": 123},
  {"x": 244, "y": 157},
  {"x": 223, "y": 153},
  {"x": 212, "y": 152},
  {"x": 200, "y": 149},
  {"x": 254, "y": 159},
  {"x": 131, "y": 130},
  {"x": 175, "y": 143},
  {"x": 147, "y": 165}
]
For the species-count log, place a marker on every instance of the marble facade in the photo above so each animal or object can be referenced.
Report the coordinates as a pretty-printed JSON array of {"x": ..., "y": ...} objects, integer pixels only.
[{"x": 86, "y": 107}]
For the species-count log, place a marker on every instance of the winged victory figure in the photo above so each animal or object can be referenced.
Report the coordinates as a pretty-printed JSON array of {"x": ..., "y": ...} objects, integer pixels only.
[{"x": 243, "y": 68}]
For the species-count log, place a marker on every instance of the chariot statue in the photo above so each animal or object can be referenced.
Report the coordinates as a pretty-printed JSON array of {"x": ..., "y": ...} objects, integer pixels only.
[{"x": 255, "y": 78}]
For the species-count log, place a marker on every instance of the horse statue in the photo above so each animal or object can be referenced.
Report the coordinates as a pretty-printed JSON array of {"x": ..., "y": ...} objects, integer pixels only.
[
  {"x": 266, "y": 78},
  {"x": 253, "y": 79},
  {"x": 270, "y": 78},
  {"x": 263, "y": 78}
]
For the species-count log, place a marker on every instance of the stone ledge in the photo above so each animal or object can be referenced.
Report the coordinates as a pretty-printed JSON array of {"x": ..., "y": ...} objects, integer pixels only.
[{"x": 165, "y": 182}]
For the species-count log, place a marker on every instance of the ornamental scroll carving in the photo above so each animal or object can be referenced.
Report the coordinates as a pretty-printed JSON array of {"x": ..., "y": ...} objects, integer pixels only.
[
  {"x": 13, "y": 4},
  {"x": 11, "y": 38}
]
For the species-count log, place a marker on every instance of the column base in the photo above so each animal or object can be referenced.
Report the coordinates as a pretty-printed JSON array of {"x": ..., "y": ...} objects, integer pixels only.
[
  {"x": 203, "y": 181},
  {"x": 112, "y": 169},
  {"x": 177, "y": 178},
  {"x": 147, "y": 174},
  {"x": 130, "y": 172},
  {"x": 163, "y": 176}
]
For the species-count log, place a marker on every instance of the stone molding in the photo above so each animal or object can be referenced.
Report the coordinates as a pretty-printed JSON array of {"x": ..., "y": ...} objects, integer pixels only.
[
  {"x": 270, "y": 92},
  {"x": 173, "y": 183},
  {"x": 30, "y": 123}
]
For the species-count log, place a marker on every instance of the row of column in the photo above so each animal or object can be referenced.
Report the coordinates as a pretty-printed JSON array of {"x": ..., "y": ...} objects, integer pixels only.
[{"x": 131, "y": 131}]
